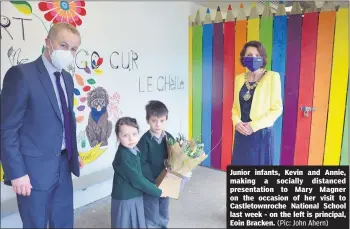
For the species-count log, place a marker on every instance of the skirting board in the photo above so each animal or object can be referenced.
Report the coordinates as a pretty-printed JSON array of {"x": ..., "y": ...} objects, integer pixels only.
[{"x": 85, "y": 191}]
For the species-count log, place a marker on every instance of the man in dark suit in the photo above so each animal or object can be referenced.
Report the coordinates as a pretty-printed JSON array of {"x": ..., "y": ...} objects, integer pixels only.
[{"x": 38, "y": 132}]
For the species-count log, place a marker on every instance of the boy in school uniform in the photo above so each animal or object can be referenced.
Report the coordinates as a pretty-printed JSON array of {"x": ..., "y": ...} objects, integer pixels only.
[{"x": 153, "y": 146}]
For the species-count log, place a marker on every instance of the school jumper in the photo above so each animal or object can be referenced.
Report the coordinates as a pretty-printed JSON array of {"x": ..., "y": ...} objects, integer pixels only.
[
  {"x": 153, "y": 153},
  {"x": 260, "y": 111},
  {"x": 129, "y": 184}
]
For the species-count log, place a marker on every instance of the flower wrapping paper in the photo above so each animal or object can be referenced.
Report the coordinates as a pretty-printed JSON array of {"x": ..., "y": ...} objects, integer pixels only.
[{"x": 183, "y": 157}]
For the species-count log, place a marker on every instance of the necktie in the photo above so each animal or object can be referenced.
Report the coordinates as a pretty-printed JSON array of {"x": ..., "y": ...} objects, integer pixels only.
[{"x": 65, "y": 115}]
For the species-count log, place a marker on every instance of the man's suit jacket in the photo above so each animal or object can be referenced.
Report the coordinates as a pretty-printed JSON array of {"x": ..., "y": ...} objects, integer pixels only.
[{"x": 32, "y": 127}]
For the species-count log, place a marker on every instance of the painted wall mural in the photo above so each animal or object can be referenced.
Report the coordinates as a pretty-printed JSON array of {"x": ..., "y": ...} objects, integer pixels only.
[
  {"x": 96, "y": 106},
  {"x": 14, "y": 56},
  {"x": 91, "y": 102},
  {"x": 95, "y": 110},
  {"x": 6, "y": 23},
  {"x": 306, "y": 49},
  {"x": 160, "y": 83},
  {"x": 63, "y": 11},
  {"x": 99, "y": 128}
]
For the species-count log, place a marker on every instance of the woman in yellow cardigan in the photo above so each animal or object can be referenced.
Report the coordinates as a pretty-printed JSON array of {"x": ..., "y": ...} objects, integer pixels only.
[{"x": 257, "y": 104}]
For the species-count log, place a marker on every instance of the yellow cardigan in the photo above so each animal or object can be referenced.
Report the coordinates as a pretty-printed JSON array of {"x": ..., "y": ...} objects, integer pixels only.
[{"x": 267, "y": 101}]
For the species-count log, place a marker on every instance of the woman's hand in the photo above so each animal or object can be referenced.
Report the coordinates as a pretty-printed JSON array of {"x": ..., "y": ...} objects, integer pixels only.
[
  {"x": 248, "y": 127},
  {"x": 242, "y": 128}
]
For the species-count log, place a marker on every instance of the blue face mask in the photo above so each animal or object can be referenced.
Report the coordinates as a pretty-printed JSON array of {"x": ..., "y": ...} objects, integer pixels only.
[{"x": 253, "y": 63}]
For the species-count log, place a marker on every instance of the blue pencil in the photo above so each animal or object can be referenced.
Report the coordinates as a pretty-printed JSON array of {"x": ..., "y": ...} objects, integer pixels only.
[
  {"x": 279, "y": 49},
  {"x": 207, "y": 85}
]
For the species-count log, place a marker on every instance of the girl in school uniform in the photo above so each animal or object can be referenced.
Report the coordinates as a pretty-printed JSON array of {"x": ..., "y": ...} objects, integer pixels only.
[
  {"x": 129, "y": 184},
  {"x": 257, "y": 105}
]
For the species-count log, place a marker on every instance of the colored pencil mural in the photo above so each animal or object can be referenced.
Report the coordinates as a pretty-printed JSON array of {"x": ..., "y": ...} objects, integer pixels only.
[
  {"x": 217, "y": 86},
  {"x": 306, "y": 83},
  {"x": 207, "y": 84},
  {"x": 197, "y": 77},
  {"x": 228, "y": 85},
  {"x": 291, "y": 85},
  {"x": 344, "y": 158},
  {"x": 338, "y": 89},
  {"x": 253, "y": 24},
  {"x": 279, "y": 49},
  {"x": 306, "y": 49},
  {"x": 190, "y": 96},
  {"x": 324, "y": 57},
  {"x": 266, "y": 33}
]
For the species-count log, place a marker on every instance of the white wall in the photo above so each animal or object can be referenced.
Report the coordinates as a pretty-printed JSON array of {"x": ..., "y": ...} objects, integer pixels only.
[{"x": 156, "y": 31}]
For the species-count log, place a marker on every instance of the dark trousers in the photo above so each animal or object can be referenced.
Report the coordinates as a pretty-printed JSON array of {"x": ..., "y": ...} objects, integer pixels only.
[
  {"x": 53, "y": 206},
  {"x": 156, "y": 211}
]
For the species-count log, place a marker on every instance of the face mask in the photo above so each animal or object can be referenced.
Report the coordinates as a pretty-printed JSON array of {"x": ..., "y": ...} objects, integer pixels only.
[
  {"x": 61, "y": 59},
  {"x": 253, "y": 63}
]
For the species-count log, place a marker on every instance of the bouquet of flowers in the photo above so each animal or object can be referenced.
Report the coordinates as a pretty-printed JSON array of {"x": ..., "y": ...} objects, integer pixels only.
[
  {"x": 191, "y": 148},
  {"x": 183, "y": 156}
]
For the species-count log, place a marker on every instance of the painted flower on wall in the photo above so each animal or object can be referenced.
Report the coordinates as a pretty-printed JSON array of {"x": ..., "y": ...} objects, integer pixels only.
[{"x": 63, "y": 11}]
